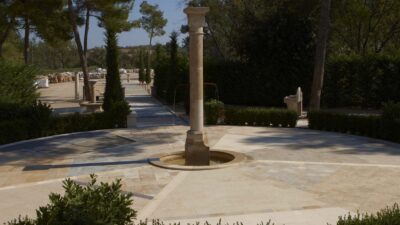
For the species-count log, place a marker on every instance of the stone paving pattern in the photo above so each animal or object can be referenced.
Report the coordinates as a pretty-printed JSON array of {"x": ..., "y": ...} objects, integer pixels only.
[{"x": 293, "y": 176}]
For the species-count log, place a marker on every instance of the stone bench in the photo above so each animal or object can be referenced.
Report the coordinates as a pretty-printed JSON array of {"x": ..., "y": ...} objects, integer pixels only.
[{"x": 92, "y": 107}]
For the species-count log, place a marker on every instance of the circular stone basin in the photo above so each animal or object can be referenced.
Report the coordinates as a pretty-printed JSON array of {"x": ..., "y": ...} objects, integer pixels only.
[{"x": 218, "y": 159}]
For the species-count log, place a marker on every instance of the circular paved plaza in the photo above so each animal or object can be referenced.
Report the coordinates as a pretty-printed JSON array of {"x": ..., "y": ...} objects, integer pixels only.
[{"x": 292, "y": 176}]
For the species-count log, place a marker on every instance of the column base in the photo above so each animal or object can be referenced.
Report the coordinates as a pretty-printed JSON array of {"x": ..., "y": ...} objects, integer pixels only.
[{"x": 197, "y": 153}]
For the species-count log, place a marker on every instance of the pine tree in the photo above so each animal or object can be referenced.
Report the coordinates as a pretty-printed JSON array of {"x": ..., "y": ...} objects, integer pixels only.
[{"x": 113, "y": 92}]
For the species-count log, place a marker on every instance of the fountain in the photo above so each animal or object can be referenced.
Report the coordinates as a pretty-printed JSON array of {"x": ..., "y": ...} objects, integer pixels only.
[{"x": 197, "y": 154}]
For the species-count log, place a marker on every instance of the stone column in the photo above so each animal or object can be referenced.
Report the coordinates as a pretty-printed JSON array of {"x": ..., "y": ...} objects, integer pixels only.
[
  {"x": 196, "y": 150},
  {"x": 92, "y": 84},
  {"x": 76, "y": 86}
]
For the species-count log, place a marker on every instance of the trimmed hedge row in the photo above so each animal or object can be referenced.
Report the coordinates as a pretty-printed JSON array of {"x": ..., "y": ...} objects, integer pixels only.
[
  {"x": 361, "y": 81},
  {"x": 260, "y": 117},
  {"x": 34, "y": 121},
  {"x": 386, "y": 126},
  {"x": 370, "y": 126},
  {"x": 215, "y": 111}
]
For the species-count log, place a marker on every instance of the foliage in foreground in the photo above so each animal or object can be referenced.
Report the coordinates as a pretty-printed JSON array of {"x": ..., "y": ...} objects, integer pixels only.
[
  {"x": 159, "y": 222},
  {"x": 92, "y": 204},
  {"x": 387, "y": 216}
]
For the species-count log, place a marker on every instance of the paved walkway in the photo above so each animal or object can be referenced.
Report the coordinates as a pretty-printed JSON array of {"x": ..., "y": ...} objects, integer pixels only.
[
  {"x": 150, "y": 112},
  {"x": 293, "y": 176}
]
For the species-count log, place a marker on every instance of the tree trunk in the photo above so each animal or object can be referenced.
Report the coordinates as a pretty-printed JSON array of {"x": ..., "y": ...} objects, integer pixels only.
[
  {"x": 82, "y": 57},
  {"x": 4, "y": 36},
  {"x": 26, "y": 41},
  {"x": 85, "y": 38},
  {"x": 320, "y": 56}
]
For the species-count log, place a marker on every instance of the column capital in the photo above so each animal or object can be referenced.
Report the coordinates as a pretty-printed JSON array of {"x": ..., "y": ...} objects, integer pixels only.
[{"x": 196, "y": 16}]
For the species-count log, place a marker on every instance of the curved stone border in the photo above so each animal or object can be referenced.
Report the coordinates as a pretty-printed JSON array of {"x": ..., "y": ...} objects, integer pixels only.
[{"x": 235, "y": 159}]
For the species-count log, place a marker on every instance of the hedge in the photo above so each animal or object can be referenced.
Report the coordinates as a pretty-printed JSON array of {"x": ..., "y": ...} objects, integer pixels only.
[
  {"x": 260, "y": 117},
  {"x": 215, "y": 112},
  {"x": 361, "y": 81},
  {"x": 385, "y": 126},
  {"x": 33, "y": 121}
]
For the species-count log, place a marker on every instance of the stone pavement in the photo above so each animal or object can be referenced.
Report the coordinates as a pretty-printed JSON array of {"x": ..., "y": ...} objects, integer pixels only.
[
  {"x": 150, "y": 112},
  {"x": 292, "y": 176}
]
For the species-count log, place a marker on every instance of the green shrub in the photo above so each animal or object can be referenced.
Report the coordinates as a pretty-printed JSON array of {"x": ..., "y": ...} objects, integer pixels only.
[
  {"x": 13, "y": 130},
  {"x": 260, "y": 117},
  {"x": 361, "y": 81},
  {"x": 213, "y": 110},
  {"x": 79, "y": 122},
  {"x": 385, "y": 127},
  {"x": 159, "y": 222},
  {"x": 21, "y": 221},
  {"x": 118, "y": 113},
  {"x": 32, "y": 121},
  {"x": 391, "y": 120},
  {"x": 93, "y": 204},
  {"x": 19, "y": 122},
  {"x": 17, "y": 83},
  {"x": 387, "y": 216}
]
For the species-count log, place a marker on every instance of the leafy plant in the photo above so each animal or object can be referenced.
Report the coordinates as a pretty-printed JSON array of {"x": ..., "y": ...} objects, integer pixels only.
[
  {"x": 17, "y": 84},
  {"x": 387, "y": 216},
  {"x": 213, "y": 110},
  {"x": 92, "y": 204}
]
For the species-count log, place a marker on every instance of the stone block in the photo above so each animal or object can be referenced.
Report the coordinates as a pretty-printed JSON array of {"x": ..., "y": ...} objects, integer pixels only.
[{"x": 132, "y": 120}]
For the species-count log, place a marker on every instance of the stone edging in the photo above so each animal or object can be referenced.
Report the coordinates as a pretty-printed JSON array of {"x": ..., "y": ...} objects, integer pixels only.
[{"x": 238, "y": 158}]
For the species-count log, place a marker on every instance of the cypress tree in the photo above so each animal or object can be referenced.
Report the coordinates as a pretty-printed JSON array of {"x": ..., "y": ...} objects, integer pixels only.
[
  {"x": 173, "y": 69},
  {"x": 113, "y": 92}
]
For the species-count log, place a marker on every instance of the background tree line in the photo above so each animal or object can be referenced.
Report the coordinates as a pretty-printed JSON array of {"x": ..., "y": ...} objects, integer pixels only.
[{"x": 259, "y": 51}]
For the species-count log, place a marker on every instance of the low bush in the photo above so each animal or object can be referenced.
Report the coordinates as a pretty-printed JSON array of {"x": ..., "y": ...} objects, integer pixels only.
[
  {"x": 386, "y": 126},
  {"x": 260, "y": 117},
  {"x": 391, "y": 121},
  {"x": 213, "y": 110},
  {"x": 100, "y": 204},
  {"x": 387, "y": 216}
]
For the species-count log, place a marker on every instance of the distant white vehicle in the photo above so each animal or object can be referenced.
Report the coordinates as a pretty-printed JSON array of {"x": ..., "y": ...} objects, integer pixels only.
[{"x": 42, "y": 83}]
